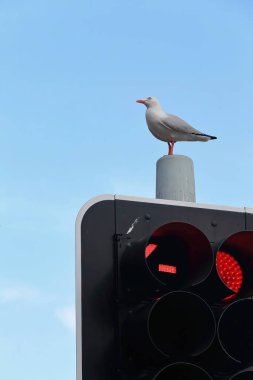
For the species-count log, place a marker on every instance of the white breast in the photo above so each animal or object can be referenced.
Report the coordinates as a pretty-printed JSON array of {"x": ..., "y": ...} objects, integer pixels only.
[{"x": 157, "y": 129}]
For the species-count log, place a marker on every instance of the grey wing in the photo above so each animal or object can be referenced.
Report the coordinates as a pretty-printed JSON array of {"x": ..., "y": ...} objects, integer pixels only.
[{"x": 174, "y": 123}]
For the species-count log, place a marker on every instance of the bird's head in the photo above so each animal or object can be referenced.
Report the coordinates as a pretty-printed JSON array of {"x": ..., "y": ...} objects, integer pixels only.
[{"x": 149, "y": 102}]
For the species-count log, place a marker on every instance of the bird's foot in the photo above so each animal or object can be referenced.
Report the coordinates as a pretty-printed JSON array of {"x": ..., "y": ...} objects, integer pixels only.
[{"x": 171, "y": 147}]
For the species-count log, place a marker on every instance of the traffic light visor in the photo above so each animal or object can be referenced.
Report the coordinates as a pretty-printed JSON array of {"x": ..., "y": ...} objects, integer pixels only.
[
  {"x": 243, "y": 375},
  {"x": 182, "y": 371},
  {"x": 235, "y": 331},
  {"x": 181, "y": 323},
  {"x": 179, "y": 255}
]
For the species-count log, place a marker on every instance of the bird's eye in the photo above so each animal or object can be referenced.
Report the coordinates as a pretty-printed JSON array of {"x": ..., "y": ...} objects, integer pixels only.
[{"x": 149, "y": 98}]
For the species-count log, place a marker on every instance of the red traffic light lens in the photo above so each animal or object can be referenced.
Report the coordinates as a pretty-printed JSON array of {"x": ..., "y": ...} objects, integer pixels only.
[
  {"x": 229, "y": 271},
  {"x": 234, "y": 264},
  {"x": 167, "y": 268},
  {"x": 150, "y": 249}
]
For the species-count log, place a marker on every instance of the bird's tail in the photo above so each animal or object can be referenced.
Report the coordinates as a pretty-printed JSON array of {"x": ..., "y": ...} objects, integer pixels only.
[{"x": 203, "y": 135}]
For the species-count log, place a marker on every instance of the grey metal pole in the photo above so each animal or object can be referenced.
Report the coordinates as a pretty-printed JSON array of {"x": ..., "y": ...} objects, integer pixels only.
[{"x": 175, "y": 178}]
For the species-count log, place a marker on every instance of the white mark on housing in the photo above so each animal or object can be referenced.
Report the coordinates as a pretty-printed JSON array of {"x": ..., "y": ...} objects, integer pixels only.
[{"x": 132, "y": 226}]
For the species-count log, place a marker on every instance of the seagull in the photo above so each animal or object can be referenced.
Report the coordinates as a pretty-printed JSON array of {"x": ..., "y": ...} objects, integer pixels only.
[{"x": 170, "y": 128}]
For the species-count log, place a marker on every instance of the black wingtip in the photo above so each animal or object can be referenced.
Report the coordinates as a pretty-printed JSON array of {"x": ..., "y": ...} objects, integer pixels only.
[{"x": 204, "y": 135}]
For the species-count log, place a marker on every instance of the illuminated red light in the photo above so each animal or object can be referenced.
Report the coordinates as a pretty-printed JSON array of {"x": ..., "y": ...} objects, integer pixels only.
[
  {"x": 229, "y": 271},
  {"x": 167, "y": 268},
  {"x": 229, "y": 298},
  {"x": 149, "y": 249}
]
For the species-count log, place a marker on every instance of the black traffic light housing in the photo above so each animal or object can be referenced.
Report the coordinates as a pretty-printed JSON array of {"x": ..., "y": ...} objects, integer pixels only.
[{"x": 163, "y": 290}]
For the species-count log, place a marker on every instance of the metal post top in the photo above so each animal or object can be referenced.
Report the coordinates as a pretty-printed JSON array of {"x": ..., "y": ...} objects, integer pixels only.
[
  {"x": 175, "y": 178},
  {"x": 175, "y": 157}
]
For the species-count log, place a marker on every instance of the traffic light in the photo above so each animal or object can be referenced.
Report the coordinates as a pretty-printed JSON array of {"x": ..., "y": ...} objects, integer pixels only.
[{"x": 164, "y": 290}]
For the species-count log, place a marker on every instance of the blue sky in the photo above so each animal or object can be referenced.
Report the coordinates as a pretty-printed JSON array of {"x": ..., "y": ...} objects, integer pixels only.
[{"x": 70, "y": 72}]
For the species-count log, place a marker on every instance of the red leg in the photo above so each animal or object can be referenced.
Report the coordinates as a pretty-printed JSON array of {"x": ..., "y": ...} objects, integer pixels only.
[{"x": 171, "y": 147}]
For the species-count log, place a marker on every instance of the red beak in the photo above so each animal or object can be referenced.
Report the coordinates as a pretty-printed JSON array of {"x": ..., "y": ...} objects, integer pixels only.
[{"x": 140, "y": 101}]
